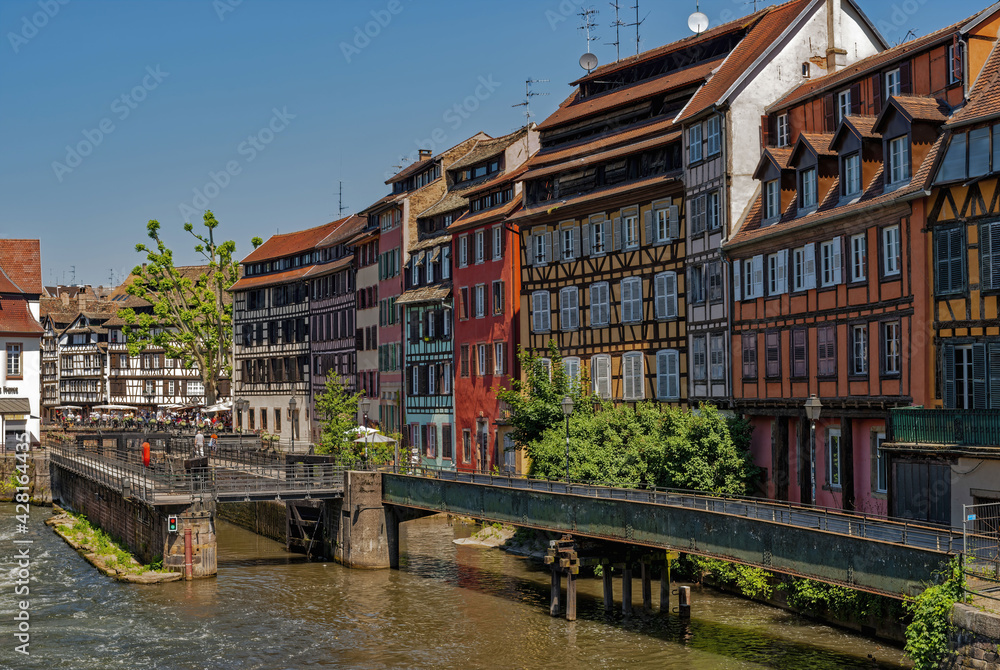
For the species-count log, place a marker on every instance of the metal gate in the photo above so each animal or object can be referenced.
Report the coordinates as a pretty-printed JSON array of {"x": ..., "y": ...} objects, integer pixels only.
[{"x": 981, "y": 541}]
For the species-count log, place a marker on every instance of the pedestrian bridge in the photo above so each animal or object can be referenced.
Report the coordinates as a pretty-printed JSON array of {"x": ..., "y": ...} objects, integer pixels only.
[{"x": 883, "y": 556}]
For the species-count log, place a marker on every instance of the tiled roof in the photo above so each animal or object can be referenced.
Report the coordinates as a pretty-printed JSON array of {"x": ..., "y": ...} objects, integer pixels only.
[
  {"x": 859, "y": 125},
  {"x": 777, "y": 155},
  {"x": 863, "y": 66},
  {"x": 451, "y": 200},
  {"x": 120, "y": 298},
  {"x": 874, "y": 197},
  {"x": 551, "y": 206},
  {"x": 818, "y": 142},
  {"x": 429, "y": 242},
  {"x": 646, "y": 128},
  {"x": 412, "y": 169},
  {"x": 484, "y": 149},
  {"x": 575, "y": 108},
  {"x": 984, "y": 99},
  {"x": 497, "y": 180},
  {"x": 347, "y": 228},
  {"x": 425, "y": 294},
  {"x": 584, "y": 161},
  {"x": 285, "y": 244},
  {"x": 771, "y": 23},
  {"x": 914, "y": 108},
  {"x": 491, "y": 215},
  {"x": 295, "y": 274},
  {"x": 21, "y": 261},
  {"x": 378, "y": 204},
  {"x": 16, "y": 318},
  {"x": 327, "y": 268}
]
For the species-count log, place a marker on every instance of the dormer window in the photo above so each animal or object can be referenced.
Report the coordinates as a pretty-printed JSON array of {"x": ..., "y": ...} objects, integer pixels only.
[
  {"x": 844, "y": 104},
  {"x": 783, "y": 130},
  {"x": 772, "y": 199},
  {"x": 898, "y": 168},
  {"x": 807, "y": 188},
  {"x": 893, "y": 84},
  {"x": 852, "y": 175}
]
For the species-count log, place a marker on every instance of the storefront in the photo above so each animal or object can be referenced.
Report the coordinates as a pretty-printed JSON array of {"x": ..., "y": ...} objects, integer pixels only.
[{"x": 14, "y": 415}]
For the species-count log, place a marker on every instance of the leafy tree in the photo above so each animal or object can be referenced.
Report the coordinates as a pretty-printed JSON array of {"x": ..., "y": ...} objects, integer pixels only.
[
  {"x": 337, "y": 409},
  {"x": 191, "y": 318}
]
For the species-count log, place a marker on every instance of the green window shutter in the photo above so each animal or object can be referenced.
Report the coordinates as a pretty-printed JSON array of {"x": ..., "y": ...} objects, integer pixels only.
[
  {"x": 994, "y": 365},
  {"x": 948, "y": 376},
  {"x": 979, "y": 376}
]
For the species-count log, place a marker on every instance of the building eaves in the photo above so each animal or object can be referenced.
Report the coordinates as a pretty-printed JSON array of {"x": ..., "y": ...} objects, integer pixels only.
[
  {"x": 285, "y": 244},
  {"x": 592, "y": 159},
  {"x": 486, "y": 149},
  {"x": 628, "y": 134},
  {"x": 552, "y": 206},
  {"x": 273, "y": 279}
]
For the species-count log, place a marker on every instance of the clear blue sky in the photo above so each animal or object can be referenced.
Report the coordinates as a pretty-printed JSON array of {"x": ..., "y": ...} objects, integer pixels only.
[{"x": 165, "y": 93}]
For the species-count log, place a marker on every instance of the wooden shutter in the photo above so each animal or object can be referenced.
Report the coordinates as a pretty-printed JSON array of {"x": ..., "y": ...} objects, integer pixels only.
[
  {"x": 948, "y": 376},
  {"x": 905, "y": 81},
  {"x": 487, "y": 244},
  {"x": 529, "y": 251},
  {"x": 576, "y": 242},
  {"x": 585, "y": 238},
  {"x": 617, "y": 234},
  {"x": 856, "y": 99},
  {"x": 489, "y": 359},
  {"x": 766, "y": 136},
  {"x": 737, "y": 279},
  {"x": 838, "y": 274},
  {"x": 956, "y": 60},
  {"x": 662, "y": 385},
  {"x": 660, "y": 295},
  {"x": 809, "y": 266},
  {"x": 994, "y": 371},
  {"x": 829, "y": 112},
  {"x": 673, "y": 374},
  {"x": 647, "y": 223},
  {"x": 548, "y": 248},
  {"x": 877, "y": 101},
  {"x": 670, "y": 284},
  {"x": 979, "y": 376},
  {"x": 783, "y": 271},
  {"x": 758, "y": 276},
  {"x": 674, "y": 221}
]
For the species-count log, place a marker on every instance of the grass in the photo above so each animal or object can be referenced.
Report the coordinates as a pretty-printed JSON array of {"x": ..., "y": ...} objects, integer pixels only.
[{"x": 106, "y": 547}]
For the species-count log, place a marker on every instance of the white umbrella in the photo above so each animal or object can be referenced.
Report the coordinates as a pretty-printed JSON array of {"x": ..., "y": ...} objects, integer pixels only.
[
  {"x": 224, "y": 406},
  {"x": 123, "y": 408},
  {"x": 374, "y": 439}
]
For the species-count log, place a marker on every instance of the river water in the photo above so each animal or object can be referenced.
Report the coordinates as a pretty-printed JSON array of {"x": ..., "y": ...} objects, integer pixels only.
[{"x": 448, "y": 606}]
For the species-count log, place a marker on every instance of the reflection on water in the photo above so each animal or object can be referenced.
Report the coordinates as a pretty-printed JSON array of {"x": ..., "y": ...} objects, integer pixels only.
[{"x": 448, "y": 606}]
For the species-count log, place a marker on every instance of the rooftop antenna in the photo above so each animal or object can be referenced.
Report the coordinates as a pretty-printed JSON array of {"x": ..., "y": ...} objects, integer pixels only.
[
  {"x": 751, "y": 2},
  {"x": 340, "y": 200},
  {"x": 617, "y": 25},
  {"x": 587, "y": 22},
  {"x": 528, "y": 95},
  {"x": 637, "y": 24},
  {"x": 72, "y": 275},
  {"x": 698, "y": 22}
]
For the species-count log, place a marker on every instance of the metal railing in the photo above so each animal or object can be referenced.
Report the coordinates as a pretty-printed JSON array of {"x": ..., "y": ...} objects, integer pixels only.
[
  {"x": 951, "y": 427},
  {"x": 981, "y": 545},
  {"x": 830, "y": 520}
]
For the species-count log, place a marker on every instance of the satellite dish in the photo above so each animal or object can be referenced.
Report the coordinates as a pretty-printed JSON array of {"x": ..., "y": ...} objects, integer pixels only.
[
  {"x": 698, "y": 23},
  {"x": 588, "y": 61}
]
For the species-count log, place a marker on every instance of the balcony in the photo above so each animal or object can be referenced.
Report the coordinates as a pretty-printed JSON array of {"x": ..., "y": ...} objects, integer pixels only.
[{"x": 942, "y": 428}]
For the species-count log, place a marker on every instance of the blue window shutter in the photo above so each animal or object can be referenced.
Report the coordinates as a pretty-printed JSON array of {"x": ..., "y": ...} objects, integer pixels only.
[
  {"x": 948, "y": 376},
  {"x": 979, "y": 400}
]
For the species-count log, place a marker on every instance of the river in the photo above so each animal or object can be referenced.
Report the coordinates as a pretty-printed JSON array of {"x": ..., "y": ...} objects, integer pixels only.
[{"x": 448, "y": 606}]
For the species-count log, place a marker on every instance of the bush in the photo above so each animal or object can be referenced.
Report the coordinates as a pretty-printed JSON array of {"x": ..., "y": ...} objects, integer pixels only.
[{"x": 927, "y": 634}]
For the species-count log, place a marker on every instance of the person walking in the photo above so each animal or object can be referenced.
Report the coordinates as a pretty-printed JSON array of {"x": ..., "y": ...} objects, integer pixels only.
[
  {"x": 199, "y": 444},
  {"x": 145, "y": 453}
]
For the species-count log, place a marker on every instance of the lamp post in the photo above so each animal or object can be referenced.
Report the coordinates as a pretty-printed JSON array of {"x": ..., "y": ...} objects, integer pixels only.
[
  {"x": 291, "y": 418},
  {"x": 365, "y": 404},
  {"x": 813, "y": 408},
  {"x": 567, "y": 408},
  {"x": 241, "y": 405}
]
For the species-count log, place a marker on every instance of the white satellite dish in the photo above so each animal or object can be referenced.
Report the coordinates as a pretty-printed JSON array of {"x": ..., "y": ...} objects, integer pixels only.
[
  {"x": 698, "y": 23},
  {"x": 588, "y": 61}
]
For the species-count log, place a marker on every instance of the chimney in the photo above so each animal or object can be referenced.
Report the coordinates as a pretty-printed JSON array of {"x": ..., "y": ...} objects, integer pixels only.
[
  {"x": 836, "y": 55},
  {"x": 64, "y": 296},
  {"x": 425, "y": 154}
]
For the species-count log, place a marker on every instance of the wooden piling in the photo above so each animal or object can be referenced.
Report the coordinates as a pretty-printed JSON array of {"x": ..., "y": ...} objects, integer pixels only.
[
  {"x": 609, "y": 595},
  {"x": 627, "y": 590},
  {"x": 570, "y": 596},
  {"x": 556, "y": 588},
  {"x": 647, "y": 587}
]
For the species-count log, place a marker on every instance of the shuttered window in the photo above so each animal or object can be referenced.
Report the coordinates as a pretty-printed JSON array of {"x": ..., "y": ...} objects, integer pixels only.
[
  {"x": 632, "y": 376},
  {"x": 540, "y": 306},
  {"x": 749, "y": 341},
  {"x": 717, "y": 360},
  {"x": 799, "y": 360},
  {"x": 569, "y": 308},
  {"x": 859, "y": 349},
  {"x": 890, "y": 250},
  {"x": 989, "y": 256},
  {"x": 600, "y": 305},
  {"x": 699, "y": 358},
  {"x": 600, "y": 373},
  {"x": 665, "y": 289},
  {"x": 668, "y": 386},
  {"x": 772, "y": 353},
  {"x": 631, "y": 288},
  {"x": 826, "y": 351},
  {"x": 571, "y": 366}
]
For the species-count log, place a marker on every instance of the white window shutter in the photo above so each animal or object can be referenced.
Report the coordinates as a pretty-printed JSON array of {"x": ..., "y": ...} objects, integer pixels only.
[
  {"x": 783, "y": 271},
  {"x": 758, "y": 276},
  {"x": 576, "y": 242},
  {"x": 809, "y": 266},
  {"x": 617, "y": 232},
  {"x": 575, "y": 302},
  {"x": 529, "y": 253},
  {"x": 671, "y": 294},
  {"x": 660, "y": 295},
  {"x": 626, "y": 377},
  {"x": 674, "y": 222},
  {"x": 546, "y": 311},
  {"x": 837, "y": 264},
  {"x": 626, "y": 288},
  {"x": 548, "y": 248},
  {"x": 585, "y": 238},
  {"x": 647, "y": 220},
  {"x": 673, "y": 374},
  {"x": 737, "y": 281},
  {"x": 662, "y": 385}
]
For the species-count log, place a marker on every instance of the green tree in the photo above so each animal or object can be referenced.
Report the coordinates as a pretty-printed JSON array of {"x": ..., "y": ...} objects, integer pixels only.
[
  {"x": 337, "y": 409},
  {"x": 191, "y": 317}
]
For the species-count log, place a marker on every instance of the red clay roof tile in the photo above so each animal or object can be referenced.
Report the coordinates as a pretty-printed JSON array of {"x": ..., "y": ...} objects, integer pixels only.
[
  {"x": 21, "y": 261},
  {"x": 16, "y": 318},
  {"x": 285, "y": 244}
]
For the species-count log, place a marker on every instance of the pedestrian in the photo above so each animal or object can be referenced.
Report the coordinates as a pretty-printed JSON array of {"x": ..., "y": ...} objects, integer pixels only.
[
  {"x": 213, "y": 443},
  {"x": 199, "y": 444},
  {"x": 145, "y": 453}
]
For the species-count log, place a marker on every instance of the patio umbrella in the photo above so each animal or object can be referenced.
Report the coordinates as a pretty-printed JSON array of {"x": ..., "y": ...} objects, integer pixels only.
[{"x": 374, "y": 439}]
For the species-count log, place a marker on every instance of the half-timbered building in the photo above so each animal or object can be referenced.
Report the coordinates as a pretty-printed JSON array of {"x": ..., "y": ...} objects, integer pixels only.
[
  {"x": 20, "y": 342},
  {"x": 486, "y": 296},
  {"x": 83, "y": 359},
  {"x": 829, "y": 270}
]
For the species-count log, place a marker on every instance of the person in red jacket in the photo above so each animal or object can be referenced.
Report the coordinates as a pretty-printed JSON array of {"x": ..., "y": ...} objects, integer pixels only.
[{"x": 145, "y": 453}]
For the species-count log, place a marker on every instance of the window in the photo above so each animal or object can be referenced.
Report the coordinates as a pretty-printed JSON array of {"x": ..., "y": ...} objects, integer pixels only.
[
  {"x": 632, "y": 376},
  {"x": 431, "y": 440},
  {"x": 696, "y": 285},
  {"x": 663, "y": 224},
  {"x": 630, "y": 229},
  {"x": 899, "y": 160},
  {"x": 546, "y": 365},
  {"x": 498, "y": 296},
  {"x": 833, "y": 457},
  {"x": 843, "y": 104},
  {"x": 697, "y": 214},
  {"x": 892, "y": 83},
  {"x": 713, "y": 136},
  {"x": 597, "y": 236},
  {"x": 14, "y": 359},
  {"x": 772, "y": 354},
  {"x": 149, "y": 387},
  {"x": 446, "y": 262},
  {"x": 859, "y": 256},
  {"x": 826, "y": 351},
  {"x": 694, "y": 143},
  {"x": 540, "y": 306},
  {"x": 953, "y": 166},
  {"x": 567, "y": 244},
  {"x": 463, "y": 365},
  {"x": 497, "y": 242},
  {"x": 414, "y": 380},
  {"x": 631, "y": 288},
  {"x": 717, "y": 352},
  {"x": 480, "y": 300},
  {"x": 783, "y": 130},
  {"x": 463, "y": 303},
  {"x": 463, "y": 251},
  {"x": 446, "y": 379},
  {"x": 777, "y": 277},
  {"x": 445, "y": 324},
  {"x": 804, "y": 267},
  {"x": 989, "y": 256},
  {"x": 749, "y": 342},
  {"x": 979, "y": 152},
  {"x": 480, "y": 238},
  {"x": 447, "y": 447},
  {"x": 600, "y": 374},
  {"x": 668, "y": 382},
  {"x": 799, "y": 359},
  {"x": 466, "y": 446},
  {"x": 830, "y": 262},
  {"x": 541, "y": 245},
  {"x": 481, "y": 360},
  {"x": 881, "y": 465},
  {"x": 752, "y": 277},
  {"x": 569, "y": 308},
  {"x": 954, "y": 64},
  {"x": 699, "y": 358},
  {"x": 571, "y": 365},
  {"x": 859, "y": 349},
  {"x": 773, "y": 199},
  {"x": 715, "y": 281},
  {"x": 600, "y": 305},
  {"x": 499, "y": 358},
  {"x": 432, "y": 379},
  {"x": 890, "y": 250},
  {"x": 712, "y": 211},
  {"x": 890, "y": 348},
  {"x": 852, "y": 175},
  {"x": 665, "y": 288},
  {"x": 807, "y": 188}
]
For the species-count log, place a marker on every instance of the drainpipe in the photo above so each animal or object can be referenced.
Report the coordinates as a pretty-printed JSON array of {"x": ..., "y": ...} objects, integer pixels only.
[{"x": 188, "y": 559}]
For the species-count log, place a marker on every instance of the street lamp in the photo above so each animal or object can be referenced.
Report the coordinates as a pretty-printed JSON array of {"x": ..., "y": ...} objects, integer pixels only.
[
  {"x": 813, "y": 408},
  {"x": 291, "y": 418},
  {"x": 365, "y": 404},
  {"x": 567, "y": 408}
]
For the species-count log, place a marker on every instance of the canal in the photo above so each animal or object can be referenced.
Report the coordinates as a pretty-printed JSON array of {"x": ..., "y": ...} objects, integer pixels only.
[{"x": 449, "y": 606}]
